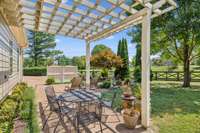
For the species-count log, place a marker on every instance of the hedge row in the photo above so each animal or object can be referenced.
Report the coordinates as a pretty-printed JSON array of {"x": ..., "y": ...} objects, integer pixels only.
[{"x": 35, "y": 71}]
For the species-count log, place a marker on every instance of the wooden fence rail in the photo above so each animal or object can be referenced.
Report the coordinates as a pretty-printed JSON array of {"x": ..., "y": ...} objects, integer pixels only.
[
  {"x": 175, "y": 75},
  {"x": 156, "y": 75}
]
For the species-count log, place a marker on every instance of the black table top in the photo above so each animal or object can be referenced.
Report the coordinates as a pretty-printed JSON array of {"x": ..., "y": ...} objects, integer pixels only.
[{"x": 80, "y": 95}]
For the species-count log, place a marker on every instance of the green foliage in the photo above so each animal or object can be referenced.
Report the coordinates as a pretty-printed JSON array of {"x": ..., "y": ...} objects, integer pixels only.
[
  {"x": 35, "y": 71},
  {"x": 40, "y": 45},
  {"x": 79, "y": 61},
  {"x": 177, "y": 35},
  {"x": 104, "y": 73},
  {"x": 100, "y": 48},
  {"x": 105, "y": 84},
  {"x": 137, "y": 91},
  {"x": 122, "y": 72},
  {"x": 20, "y": 104},
  {"x": 50, "y": 80},
  {"x": 63, "y": 60},
  {"x": 137, "y": 70},
  {"x": 10, "y": 107}
]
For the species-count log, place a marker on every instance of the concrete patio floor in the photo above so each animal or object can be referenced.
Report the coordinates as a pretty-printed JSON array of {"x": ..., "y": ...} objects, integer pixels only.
[{"x": 38, "y": 82}]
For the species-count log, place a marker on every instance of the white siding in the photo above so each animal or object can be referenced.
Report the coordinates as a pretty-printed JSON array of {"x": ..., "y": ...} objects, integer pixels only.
[{"x": 9, "y": 60}]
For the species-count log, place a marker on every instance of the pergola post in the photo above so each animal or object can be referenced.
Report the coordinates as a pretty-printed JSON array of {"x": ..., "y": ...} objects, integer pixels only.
[
  {"x": 146, "y": 26},
  {"x": 87, "y": 64}
]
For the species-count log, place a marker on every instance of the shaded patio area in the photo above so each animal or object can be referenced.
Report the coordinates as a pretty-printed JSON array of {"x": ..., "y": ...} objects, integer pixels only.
[{"x": 110, "y": 125}]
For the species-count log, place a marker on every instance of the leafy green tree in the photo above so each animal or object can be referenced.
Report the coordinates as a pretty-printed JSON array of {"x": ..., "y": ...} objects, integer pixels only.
[
  {"x": 79, "y": 61},
  {"x": 122, "y": 72},
  {"x": 99, "y": 48},
  {"x": 177, "y": 33},
  {"x": 39, "y": 44},
  {"x": 28, "y": 62},
  {"x": 63, "y": 60}
]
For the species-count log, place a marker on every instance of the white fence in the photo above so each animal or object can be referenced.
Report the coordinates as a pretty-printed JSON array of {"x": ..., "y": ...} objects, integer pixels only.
[{"x": 62, "y": 73}]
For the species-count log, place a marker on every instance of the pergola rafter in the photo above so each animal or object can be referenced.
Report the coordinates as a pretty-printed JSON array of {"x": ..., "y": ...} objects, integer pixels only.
[
  {"x": 53, "y": 14},
  {"x": 72, "y": 19},
  {"x": 39, "y": 7},
  {"x": 90, "y": 21}
]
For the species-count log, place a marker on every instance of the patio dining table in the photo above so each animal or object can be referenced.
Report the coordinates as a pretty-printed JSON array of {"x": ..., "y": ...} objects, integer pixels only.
[{"x": 80, "y": 97}]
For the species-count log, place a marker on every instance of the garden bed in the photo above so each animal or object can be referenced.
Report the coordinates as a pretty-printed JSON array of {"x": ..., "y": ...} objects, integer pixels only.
[{"x": 19, "y": 105}]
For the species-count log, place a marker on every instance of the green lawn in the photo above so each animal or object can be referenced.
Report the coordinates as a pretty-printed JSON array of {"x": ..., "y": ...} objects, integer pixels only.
[{"x": 174, "y": 109}]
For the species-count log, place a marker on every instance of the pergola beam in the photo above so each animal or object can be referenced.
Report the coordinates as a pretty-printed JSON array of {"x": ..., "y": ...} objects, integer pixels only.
[{"x": 119, "y": 26}]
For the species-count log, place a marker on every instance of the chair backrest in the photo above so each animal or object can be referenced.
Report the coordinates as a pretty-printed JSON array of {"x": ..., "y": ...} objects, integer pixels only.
[
  {"x": 76, "y": 82},
  {"x": 113, "y": 98},
  {"x": 43, "y": 118},
  {"x": 51, "y": 97},
  {"x": 94, "y": 82}
]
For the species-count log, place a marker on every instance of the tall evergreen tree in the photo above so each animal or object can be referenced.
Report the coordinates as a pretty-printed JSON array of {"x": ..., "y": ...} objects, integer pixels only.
[
  {"x": 39, "y": 44},
  {"x": 122, "y": 72},
  {"x": 137, "y": 70}
]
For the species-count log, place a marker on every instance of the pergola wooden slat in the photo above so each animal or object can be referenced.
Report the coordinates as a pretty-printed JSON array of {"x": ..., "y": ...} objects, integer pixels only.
[{"x": 90, "y": 21}]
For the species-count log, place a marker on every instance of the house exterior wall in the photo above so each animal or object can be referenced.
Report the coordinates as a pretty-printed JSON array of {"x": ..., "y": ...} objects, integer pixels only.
[{"x": 9, "y": 60}]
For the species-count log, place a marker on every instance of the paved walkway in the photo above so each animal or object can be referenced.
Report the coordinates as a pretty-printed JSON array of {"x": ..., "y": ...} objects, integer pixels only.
[{"x": 38, "y": 82}]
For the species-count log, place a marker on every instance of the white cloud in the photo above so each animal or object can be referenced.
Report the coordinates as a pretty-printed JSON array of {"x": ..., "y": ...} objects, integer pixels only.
[
  {"x": 110, "y": 37},
  {"x": 57, "y": 40},
  {"x": 64, "y": 1}
]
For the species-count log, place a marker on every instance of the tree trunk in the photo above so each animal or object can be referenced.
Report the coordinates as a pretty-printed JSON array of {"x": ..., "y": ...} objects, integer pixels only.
[{"x": 187, "y": 79}]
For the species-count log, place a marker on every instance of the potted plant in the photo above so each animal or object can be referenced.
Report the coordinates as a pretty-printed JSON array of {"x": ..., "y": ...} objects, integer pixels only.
[{"x": 130, "y": 116}]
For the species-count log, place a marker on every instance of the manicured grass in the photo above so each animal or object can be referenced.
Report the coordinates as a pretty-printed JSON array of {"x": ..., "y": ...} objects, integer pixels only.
[{"x": 175, "y": 109}]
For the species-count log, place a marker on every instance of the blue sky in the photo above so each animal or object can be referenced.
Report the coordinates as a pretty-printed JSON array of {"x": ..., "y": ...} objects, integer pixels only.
[{"x": 75, "y": 47}]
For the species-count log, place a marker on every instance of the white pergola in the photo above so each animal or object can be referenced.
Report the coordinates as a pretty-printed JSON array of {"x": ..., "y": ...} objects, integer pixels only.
[{"x": 91, "y": 20}]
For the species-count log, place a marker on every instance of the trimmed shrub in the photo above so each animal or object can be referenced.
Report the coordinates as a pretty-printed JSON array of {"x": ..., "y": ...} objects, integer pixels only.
[
  {"x": 50, "y": 80},
  {"x": 35, "y": 71},
  {"x": 105, "y": 84}
]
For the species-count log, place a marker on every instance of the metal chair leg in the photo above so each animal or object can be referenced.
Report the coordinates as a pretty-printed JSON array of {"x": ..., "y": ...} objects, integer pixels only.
[
  {"x": 46, "y": 120},
  {"x": 101, "y": 127}
]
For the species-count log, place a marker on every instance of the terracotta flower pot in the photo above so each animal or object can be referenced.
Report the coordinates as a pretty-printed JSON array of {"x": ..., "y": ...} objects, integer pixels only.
[{"x": 131, "y": 120}]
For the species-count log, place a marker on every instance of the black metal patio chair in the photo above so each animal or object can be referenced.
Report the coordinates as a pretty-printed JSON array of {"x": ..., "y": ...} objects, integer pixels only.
[
  {"x": 86, "y": 116},
  {"x": 107, "y": 103},
  {"x": 60, "y": 108}
]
